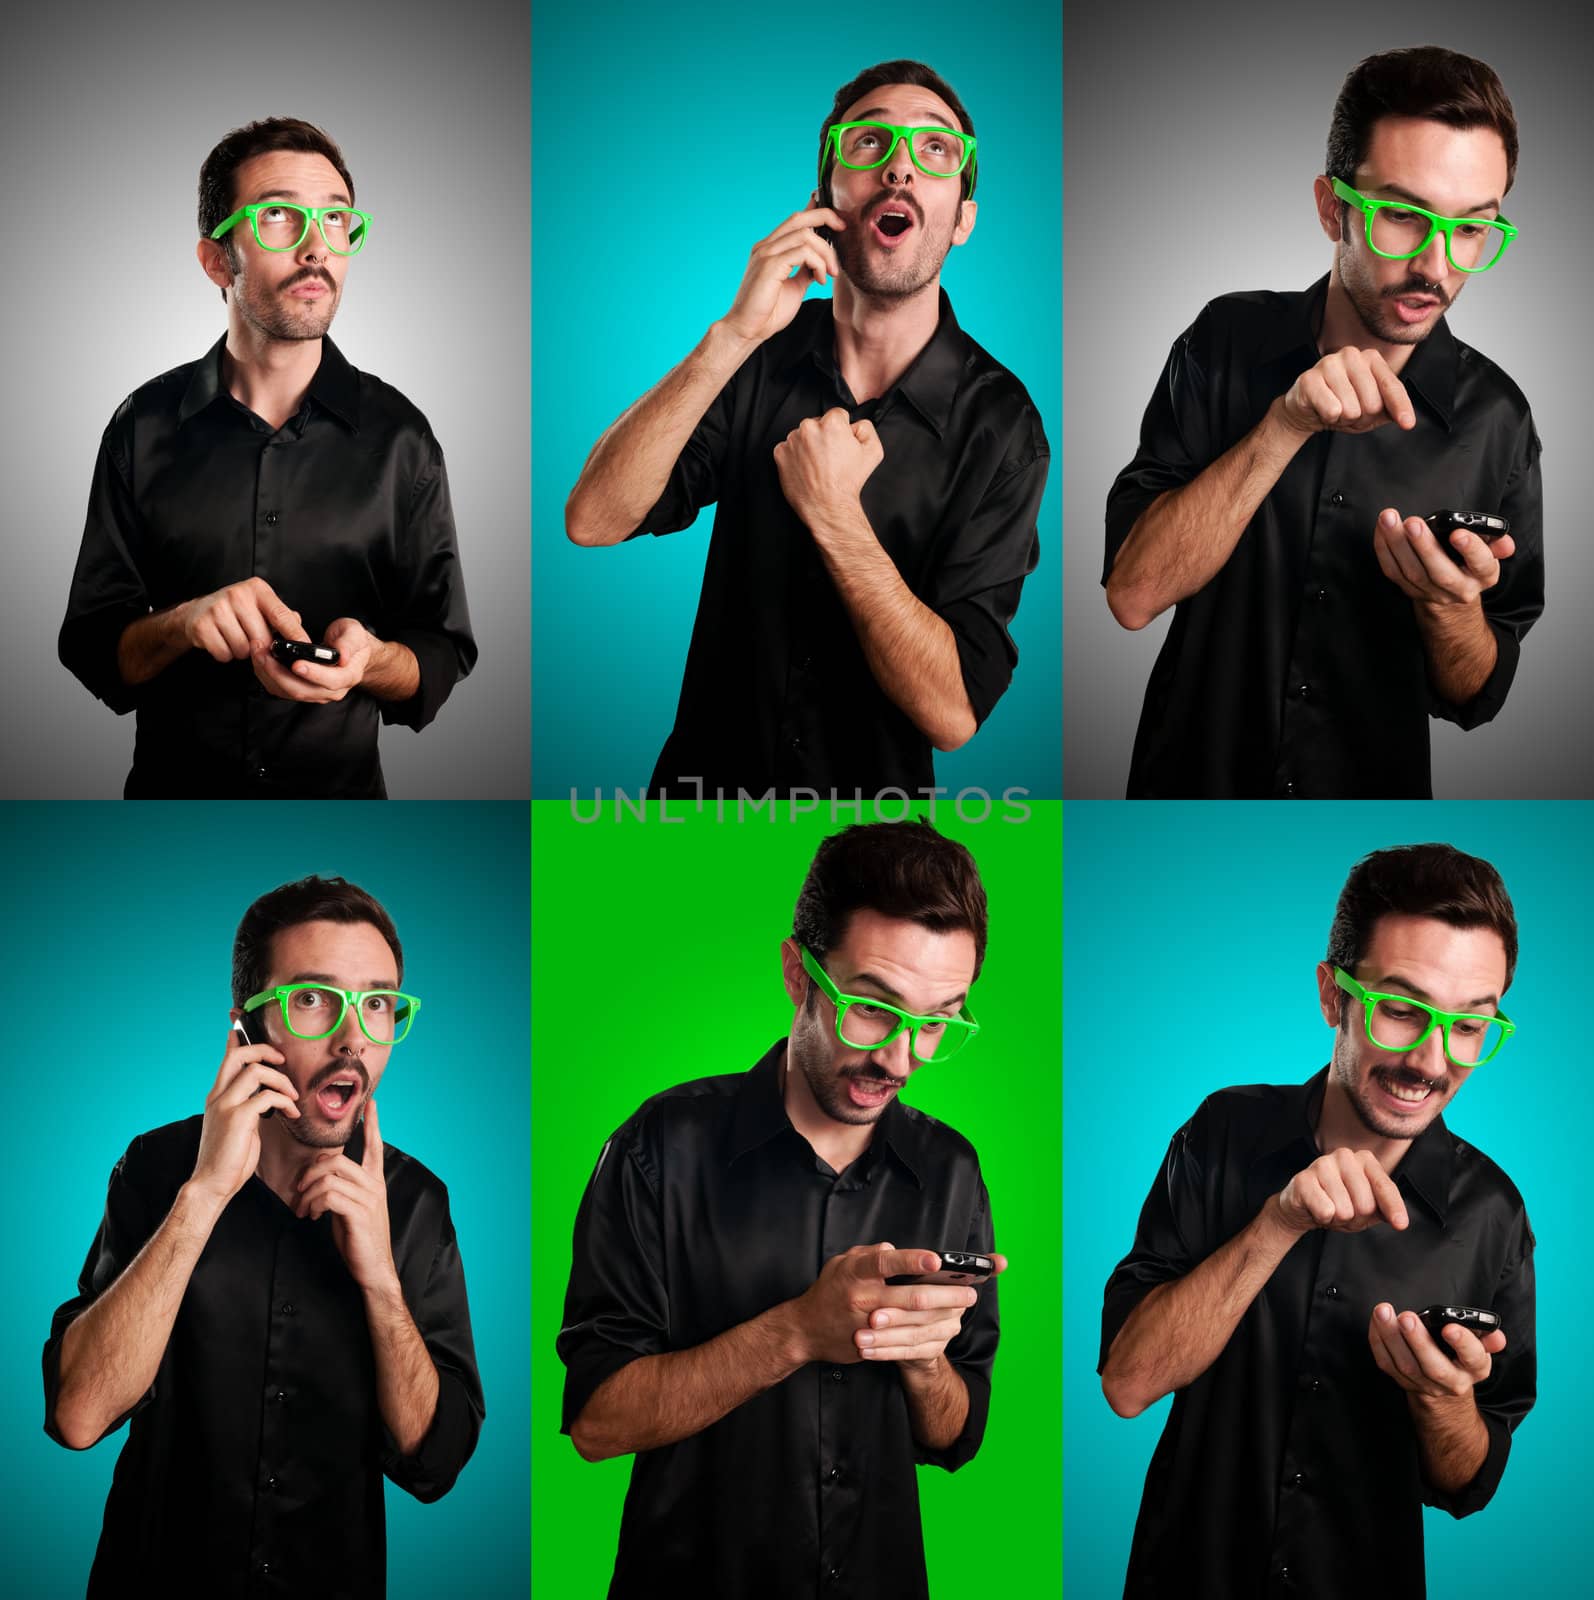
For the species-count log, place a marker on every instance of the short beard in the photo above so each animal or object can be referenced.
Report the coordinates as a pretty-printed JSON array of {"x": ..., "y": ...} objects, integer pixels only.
[
  {"x": 1346, "y": 1069},
  {"x": 896, "y": 282},
  {"x": 283, "y": 321},
  {"x": 809, "y": 1053}
]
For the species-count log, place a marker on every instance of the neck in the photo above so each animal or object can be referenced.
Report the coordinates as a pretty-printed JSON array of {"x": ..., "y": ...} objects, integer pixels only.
[
  {"x": 877, "y": 339},
  {"x": 838, "y": 1144},
  {"x": 268, "y": 375},
  {"x": 1343, "y": 328},
  {"x": 282, "y": 1160},
  {"x": 1340, "y": 1128}
]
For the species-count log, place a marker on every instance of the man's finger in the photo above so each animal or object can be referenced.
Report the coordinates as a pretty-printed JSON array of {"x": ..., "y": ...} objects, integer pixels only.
[
  {"x": 284, "y": 619},
  {"x": 371, "y": 1159},
  {"x": 1388, "y": 1329},
  {"x": 889, "y": 1262},
  {"x": 1386, "y": 1190}
]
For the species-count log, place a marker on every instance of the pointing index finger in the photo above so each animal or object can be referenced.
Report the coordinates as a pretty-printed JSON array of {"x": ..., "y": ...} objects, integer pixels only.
[
  {"x": 1387, "y": 1194},
  {"x": 904, "y": 1263},
  {"x": 1396, "y": 401},
  {"x": 372, "y": 1157}
]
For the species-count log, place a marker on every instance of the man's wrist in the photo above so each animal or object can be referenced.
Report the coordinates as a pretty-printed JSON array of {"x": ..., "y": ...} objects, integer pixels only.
[
  {"x": 198, "y": 1208},
  {"x": 386, "y": 1296},
  {"x": 724, "y": 349},
  {"x": 1278, "y": 436},
  {"x": 785, "y": 1328}
]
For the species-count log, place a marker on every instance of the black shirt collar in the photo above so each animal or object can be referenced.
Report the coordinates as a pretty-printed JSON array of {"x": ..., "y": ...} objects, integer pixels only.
[
  {"x": 1426, "y": 1166},
  {"x": 335, "y": 386},
  {"x": 931, "y": 381},
  {"x": 760, "y": 1114},
  {"x": 1431, "y": 369}
]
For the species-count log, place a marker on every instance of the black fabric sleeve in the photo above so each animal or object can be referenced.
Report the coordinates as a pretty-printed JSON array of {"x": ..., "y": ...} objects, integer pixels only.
[
  {"x": 699, "y": 470},
  {"x": 1515, "y": 603},
  {"x": 980, "y": 572},
  {"x": 126, "y": 1227},
  {"x": 1177, "y": 439},
  {"x": 442, "y": 1318},
  {"x": 1512, "y": 1386},
  {"x": 617, "y": 1304},
  {"x": 433, "y": 620},
  {"x": 107, "y": 590},
  {"x": 1169, "y": 1239},
  {"x": 972, "y": 1353}
]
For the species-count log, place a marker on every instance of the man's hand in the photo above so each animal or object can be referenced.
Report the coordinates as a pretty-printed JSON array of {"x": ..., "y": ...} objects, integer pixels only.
[
  {"x": 851, "y": 1287},
  {"x": 246, "y": 1087},
  {"x": 233, "y": 623},
  {"x": 1348, "y": 391},
  {"x": 1346, "y": 1190},
  {"x": 769, "y": 294},
  {"x": 824, "y": 463},
  {"x": 1410, "y": 557},
  {"x": 356, "y": 1195},
  {"x": 313, "y": 683},
  {"x": 915, "y": 1337},
  {"x": 1406, "y": 1352}
]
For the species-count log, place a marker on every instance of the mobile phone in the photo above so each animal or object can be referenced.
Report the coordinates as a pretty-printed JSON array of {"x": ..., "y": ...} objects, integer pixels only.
[
  {"x": 287, "y": 651},
  {"x": 957, "y": 1266},
  {"x": 1485, "y": 524},
  {"x": 250, "y": 1031},
  {"x": 1473, "y": 1318}
]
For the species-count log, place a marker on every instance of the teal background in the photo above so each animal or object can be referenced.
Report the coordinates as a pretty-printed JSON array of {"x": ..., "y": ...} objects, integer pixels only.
[
  {"x": 637, "y": 247},
  {"x": 1165, "y": 906},
  {"x": 107, "y": 902}
]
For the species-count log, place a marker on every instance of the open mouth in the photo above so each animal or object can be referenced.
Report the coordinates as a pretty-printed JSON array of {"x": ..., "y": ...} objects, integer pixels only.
[
  {"x": 336, "y": 1096},
  {"x": 1408, "y": 1090},
  {"x": 890, "y": 223},
  {"x": 869, "y": 1092}
]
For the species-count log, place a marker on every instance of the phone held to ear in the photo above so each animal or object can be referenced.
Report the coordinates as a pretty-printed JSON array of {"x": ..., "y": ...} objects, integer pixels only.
[{"x": 250, "y": 1032}]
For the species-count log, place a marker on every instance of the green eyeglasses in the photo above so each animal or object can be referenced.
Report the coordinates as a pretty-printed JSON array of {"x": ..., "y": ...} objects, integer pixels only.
[
  {"x": 280, "y": 226},
  {"x": 869, "y": 1024},
  {"x": 316, "y": 1010},
  {"x": 863, "y": 146},
  {"x": 1397, "y": 231},
  {"x": 1397, "y": 1022}
]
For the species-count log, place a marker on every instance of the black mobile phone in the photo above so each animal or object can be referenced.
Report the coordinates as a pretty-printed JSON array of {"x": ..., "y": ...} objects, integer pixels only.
[
  {"x": 1485, "y": 524},
  {"x": 287, "y": 651},
  {"x": 957, "y": 1266},
  {"x": 1473, "y": 1318},
  {"x": 248, "y": 1027}
]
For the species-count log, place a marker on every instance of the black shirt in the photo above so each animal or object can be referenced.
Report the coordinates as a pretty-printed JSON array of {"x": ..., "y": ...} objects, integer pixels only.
[
  {"x": 777, "y": 693},
  {"x": 1290, "y": 1466},
  {"x": 1298, "y": 671},
  {"x": 254, "y": 1463},
  {"x": 343, "y": 510},
  {"x": 704, "y": 1210}
]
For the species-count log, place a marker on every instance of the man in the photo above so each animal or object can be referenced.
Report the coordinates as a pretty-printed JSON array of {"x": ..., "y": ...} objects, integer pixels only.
[
  {"x": 730, "y": 1317},
  {"x": 1294, "y": 452},
  {"x": 1286, "y": 1250},
  {"x": 269, "y": 490},
  {"x": 878, "y": 474},
  {"x": 275, "y": 1296}
]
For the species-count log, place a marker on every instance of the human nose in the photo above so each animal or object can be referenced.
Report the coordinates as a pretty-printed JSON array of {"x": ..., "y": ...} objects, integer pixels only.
[
  {"x": 348, "y": 1032},
  {"x": 1431, "y": 262},
  {"x": 313, "y": 246},
  {"x": 899, "y": 164},
  {"x": 896, "y": 1057}
]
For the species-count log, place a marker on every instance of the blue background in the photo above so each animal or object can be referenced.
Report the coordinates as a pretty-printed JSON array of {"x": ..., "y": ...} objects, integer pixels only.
[
  {"x": 637, "y": 248},
  {"x": 1163, "y": 904},
  {"x": 104, "y": 901}
]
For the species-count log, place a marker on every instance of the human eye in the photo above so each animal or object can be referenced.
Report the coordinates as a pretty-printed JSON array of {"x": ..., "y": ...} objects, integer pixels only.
[
  {"x": 875, "y": 1012},
  {"x": 1402, "y": 217},
  {"x": 933, "y": 1026},
  {"x": 308, "y": 1001},
  {"x": 1472, "y": 230},
  {"x": 335, "y": 219},
  {"x": 275, "y": 213},
  {"x": 1470, "y": 1027},
  {"x": 378, "y": 1005},
  {"x": 1401, "y": 1010}
]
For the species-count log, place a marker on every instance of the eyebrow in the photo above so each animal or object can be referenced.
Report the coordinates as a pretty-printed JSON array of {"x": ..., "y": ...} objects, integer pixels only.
[
  {"x": 332, "y": 983},
  {"x": 1417, "y": 200},
  {"x": 887, "y": 992},
  {"x": 882, "y": 111},
  {"x": 1416, "y": 992},
  {"x": 338, "y": 199}
]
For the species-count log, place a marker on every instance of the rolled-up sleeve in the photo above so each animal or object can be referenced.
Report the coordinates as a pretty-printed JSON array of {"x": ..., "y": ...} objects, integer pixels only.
[
  {"x": 1507, "y": 1395},
  {"x": 124, "y": 1230},
  {"x": 442, "y": 1318},
  {"x": 108, "y": 590},
  {"x": 979, "y": 573},
  {"x": 972, "y": 1353},
  {"x": 617, "y": 1303},
  {"x": 1515, "y": 603},
  {"x": 695, "y": 479},
  {"x": 433, "y": 620}
]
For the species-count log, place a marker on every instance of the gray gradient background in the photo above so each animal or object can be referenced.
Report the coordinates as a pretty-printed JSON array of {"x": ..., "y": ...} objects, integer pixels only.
[
  {"x": 431, "y": 105},
  {"x": 1170, "y": 114}
]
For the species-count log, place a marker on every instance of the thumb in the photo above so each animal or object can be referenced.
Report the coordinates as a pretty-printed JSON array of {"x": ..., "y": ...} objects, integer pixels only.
[{"x": 863, "y": 431}]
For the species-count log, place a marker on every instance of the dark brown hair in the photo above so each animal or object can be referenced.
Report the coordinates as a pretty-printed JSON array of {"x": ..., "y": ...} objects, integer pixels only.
[
  {"x": 900, "y": 869},
  {"x": 1423, "y": 81},
  {"x": 216, "y": 193},
  {"x": 311, "y": 899},
  {"x": 1420, "y": 880},
  {"x": 914, "y": 72}
]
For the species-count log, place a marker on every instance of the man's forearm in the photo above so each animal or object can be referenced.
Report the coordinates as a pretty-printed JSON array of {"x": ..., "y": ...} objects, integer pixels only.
[
  {"x": 112, "y": 1351},
  {"x": 1179, "y": 1329},
  {"x": 1183, "y": 538},
  {"x": 1452, "y": 1439},
  {"x": 657, "y": 1400},
  {"x": 1460, "y": 647},
  {"x": 938, "y": 1401},
  {"x": 406, "y": 1378},
  {"x": 910, "y": 650},
  {"x": 393, "y": 673},
  {"x": 149, "y": 645},
  {"x": 631, "y": 463}
]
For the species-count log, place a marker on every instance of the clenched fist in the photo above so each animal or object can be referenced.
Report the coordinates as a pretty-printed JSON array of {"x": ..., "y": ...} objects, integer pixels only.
[
  {"x": 1348, "y": 391},
  {"x": 824, "y": 463},
  {"x": 1346, "y": 1190}
]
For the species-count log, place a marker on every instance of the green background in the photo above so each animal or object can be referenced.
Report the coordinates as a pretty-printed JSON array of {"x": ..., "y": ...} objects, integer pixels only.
[{"x": 632, "y": 923}]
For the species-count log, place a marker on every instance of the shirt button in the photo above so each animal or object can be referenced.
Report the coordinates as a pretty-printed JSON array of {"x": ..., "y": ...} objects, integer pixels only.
[
  {"x": 271, "y": 1483},
  {"x": 271, "y": 519},
  {"x": 1336, "y": 499},
  {"x": 260, "y": 772},
  {"x": 1304, "y": 690},
  {"x": 1322, "y": 594},
  {"x": 1284, "y": 1573},
  {"x": 1289, "y": 788},
  {"x": 280, "y": 1396},
  {"x": 833, "y": 1574},
  {"x": 1332, "y": 1291},
  {"x": 265, "y": 1569},
  {"x": 1298, "y": 1479},
  {"x": 796, "y": 744},
  {"x": 833, "y": 1474},
  {"x": 837, "y": 1375},
  {"x": 287, "y": 1308}
]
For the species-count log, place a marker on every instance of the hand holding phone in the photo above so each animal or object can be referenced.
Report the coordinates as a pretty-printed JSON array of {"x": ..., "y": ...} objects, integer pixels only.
[
  {"x": 1485, "y": 524},
  {"x": 1474, "y": 1319},
  {"x": 957, "y": 1266},
  {"x": 287, "y": 651}
]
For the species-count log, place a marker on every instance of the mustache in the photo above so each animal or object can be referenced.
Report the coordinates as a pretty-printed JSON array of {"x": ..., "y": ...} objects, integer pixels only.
[
  {"x": 1407, "y": 1077},
  {"x": 865, "y": 1076},
  {"x": 1419, "y": 286},
  {"x": 339, "y": 1069},
  {"x": 895, "y": 200},
  {"x": 308, "y": 275}
]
